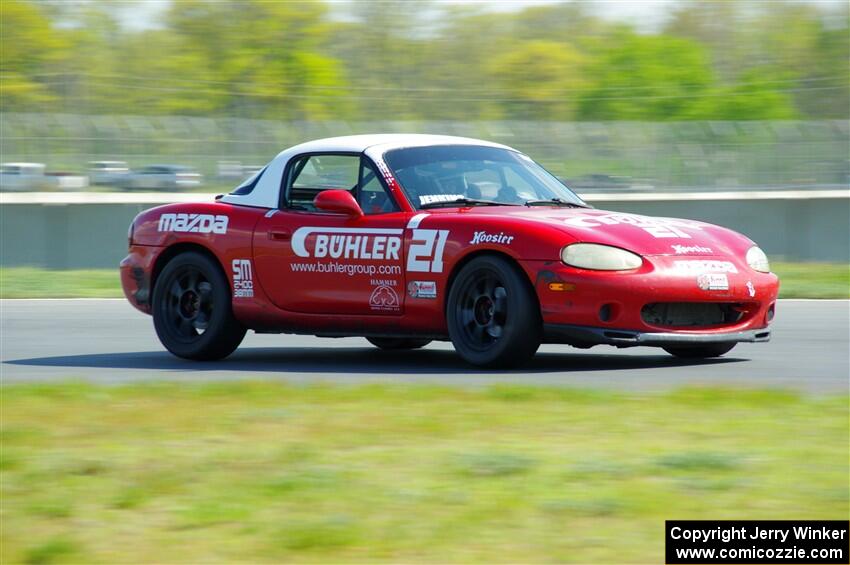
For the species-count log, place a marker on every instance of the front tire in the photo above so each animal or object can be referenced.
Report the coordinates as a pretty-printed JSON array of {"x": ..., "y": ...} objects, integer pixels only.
[
  {"x": 397, "y": 343},
  {"x": 192, "y": 311},
  {"x": 493, "y": 314},
  {"x": 701, "y": 351}
]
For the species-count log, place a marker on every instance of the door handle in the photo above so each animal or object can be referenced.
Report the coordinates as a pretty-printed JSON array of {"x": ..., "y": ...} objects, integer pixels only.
[{"x": 279, "y": 235}]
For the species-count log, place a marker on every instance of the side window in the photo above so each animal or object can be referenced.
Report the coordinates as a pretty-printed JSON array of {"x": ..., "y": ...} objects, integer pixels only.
[
  {"x": 312, "y": 174},
  {"x": 373, "y": 198}
]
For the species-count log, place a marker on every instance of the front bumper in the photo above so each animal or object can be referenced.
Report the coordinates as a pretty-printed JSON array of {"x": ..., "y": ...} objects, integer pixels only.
[
  {"x": 587, "y": 336},
  {"x": 585, "y": 308},
  {"x": 136, "y": 270}
]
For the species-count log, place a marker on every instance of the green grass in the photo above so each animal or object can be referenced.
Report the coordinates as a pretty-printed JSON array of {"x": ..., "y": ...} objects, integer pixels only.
[
  {"x": 798, "y": 280},
  {"x": 813, "y": 280},
  {"x": 29, "y": 282},
  {"x": 262, "y": 472}
]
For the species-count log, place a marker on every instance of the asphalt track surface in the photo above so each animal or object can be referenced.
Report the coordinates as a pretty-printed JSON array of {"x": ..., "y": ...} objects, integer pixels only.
[{"x": 108, "y": 341}]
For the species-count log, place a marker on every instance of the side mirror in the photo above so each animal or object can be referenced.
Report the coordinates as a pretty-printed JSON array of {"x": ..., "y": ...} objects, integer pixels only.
[{"x": 339, "y": 201}]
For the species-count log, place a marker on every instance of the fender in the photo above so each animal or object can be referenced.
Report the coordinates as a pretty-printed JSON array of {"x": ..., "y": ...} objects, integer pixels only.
[{"x": 225, "y": 231}]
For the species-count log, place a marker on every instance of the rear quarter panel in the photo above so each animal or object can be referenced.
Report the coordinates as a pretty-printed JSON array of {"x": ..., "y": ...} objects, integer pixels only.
[{"x": 224, "y": 230}]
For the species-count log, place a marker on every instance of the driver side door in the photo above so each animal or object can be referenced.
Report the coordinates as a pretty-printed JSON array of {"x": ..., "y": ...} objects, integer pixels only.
[{"x": 319, "y": 262}]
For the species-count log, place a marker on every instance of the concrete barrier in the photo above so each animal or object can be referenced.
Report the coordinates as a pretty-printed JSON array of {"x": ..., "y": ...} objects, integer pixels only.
[{"x": 89, "y": 230}]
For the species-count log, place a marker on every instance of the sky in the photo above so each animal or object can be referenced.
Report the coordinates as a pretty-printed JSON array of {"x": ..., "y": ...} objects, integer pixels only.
[
  {"x": 143, "y": 13},
  {"x": 644, "y": 14}
]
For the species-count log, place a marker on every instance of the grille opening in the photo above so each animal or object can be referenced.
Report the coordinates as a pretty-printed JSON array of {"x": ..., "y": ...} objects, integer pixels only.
[{"x": 692, "y": 314}]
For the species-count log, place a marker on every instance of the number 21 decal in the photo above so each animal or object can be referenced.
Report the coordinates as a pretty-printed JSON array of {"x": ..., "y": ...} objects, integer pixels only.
[{"x": 426, "y": 251}]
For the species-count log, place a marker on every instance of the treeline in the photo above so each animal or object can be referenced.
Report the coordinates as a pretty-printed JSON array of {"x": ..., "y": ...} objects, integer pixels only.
[{"x": 411, "y": 60}]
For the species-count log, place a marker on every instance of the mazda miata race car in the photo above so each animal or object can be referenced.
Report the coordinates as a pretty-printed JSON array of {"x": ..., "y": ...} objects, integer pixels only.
[{"x": 405, "y": 239}]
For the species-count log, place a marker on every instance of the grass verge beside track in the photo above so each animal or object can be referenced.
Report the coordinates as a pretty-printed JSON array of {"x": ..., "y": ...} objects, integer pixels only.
[
  {"x": 813, "y": 280},
  {"x": 29, "y": 282},
  {"x": 256, "y": 472},
  {"x": 799, "y": 280}
]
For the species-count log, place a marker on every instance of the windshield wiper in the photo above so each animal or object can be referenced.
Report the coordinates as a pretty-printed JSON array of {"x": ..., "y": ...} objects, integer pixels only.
[
  {"x": 463, "y": 202},
  {"x": 554, "y": 202}
]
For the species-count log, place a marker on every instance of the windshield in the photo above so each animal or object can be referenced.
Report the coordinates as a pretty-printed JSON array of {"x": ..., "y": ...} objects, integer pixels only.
[{"x": 446, "y": 173}]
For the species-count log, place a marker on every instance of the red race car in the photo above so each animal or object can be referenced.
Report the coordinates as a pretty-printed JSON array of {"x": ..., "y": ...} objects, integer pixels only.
[{"x": 405, "y": 239}]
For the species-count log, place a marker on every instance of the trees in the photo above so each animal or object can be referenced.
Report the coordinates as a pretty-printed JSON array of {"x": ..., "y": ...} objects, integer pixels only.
[
  {"x": 426, "y": 60},
  {"x": 646, "y": 78},
  {"x": 540, "y": 80},
  {"x": 241, "y": 58},
  {"x": 31, "y": 52},
  {"x": 778, "y": 58}
]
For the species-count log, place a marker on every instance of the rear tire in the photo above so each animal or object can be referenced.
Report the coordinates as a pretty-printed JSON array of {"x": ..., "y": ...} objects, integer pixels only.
[
  {"x": 192, "y": 311},
  {"x": 397, "y": 343},
  {"x": 493, "y": 314},
  {"x": 701, "y": 351}
]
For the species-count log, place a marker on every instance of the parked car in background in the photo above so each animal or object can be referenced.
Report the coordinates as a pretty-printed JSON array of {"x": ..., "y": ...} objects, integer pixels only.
[
  {"x": 32, "y": 177},
  {"x": 229, "y": 170},
  {"x": 107, "y": 172},
  {"x": 604, "y": 182},
  {"x": 235, "y": 170},
  {"x": 22, "y": 176},
  {"x": 162, "y": 177}
]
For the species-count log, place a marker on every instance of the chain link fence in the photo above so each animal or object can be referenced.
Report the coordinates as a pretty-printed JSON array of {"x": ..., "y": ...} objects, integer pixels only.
[{"x": 589, "y": 156}]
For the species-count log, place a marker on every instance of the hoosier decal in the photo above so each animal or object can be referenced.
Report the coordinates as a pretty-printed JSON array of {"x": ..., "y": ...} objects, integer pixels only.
[
  {"x": 690, "y": 249},
  {"x": 487, "y": 237}
]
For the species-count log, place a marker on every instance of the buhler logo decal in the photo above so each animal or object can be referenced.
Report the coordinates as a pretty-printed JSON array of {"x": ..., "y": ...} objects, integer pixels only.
[{"x": 348, "y": 243}]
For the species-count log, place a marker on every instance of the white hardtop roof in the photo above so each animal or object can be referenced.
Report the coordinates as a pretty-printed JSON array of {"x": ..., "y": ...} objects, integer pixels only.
[
  {"x": 387, "y": 141},
  {"x": 266, "y": 191},
  {"x": 22, "y": 165}
]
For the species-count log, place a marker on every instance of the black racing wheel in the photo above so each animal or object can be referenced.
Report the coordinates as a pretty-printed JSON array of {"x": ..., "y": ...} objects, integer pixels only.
[
  {"x": 701, "y": 351},
  {"x": 396, "y": 343},
  {"x": 192, "y": 311},
  {"x": 493, "y": 314}
]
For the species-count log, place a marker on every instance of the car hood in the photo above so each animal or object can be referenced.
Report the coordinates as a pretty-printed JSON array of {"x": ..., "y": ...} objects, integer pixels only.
[{"x": 646, "y": 235}]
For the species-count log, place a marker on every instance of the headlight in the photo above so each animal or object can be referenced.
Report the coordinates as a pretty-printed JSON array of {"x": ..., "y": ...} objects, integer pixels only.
[
  {"x": 757, "y": 260},
  {"x": 600, "y": 257}
]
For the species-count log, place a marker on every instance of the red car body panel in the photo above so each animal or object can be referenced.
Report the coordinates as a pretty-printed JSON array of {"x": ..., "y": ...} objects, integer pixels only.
[{"x": 389, "y": 274}]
